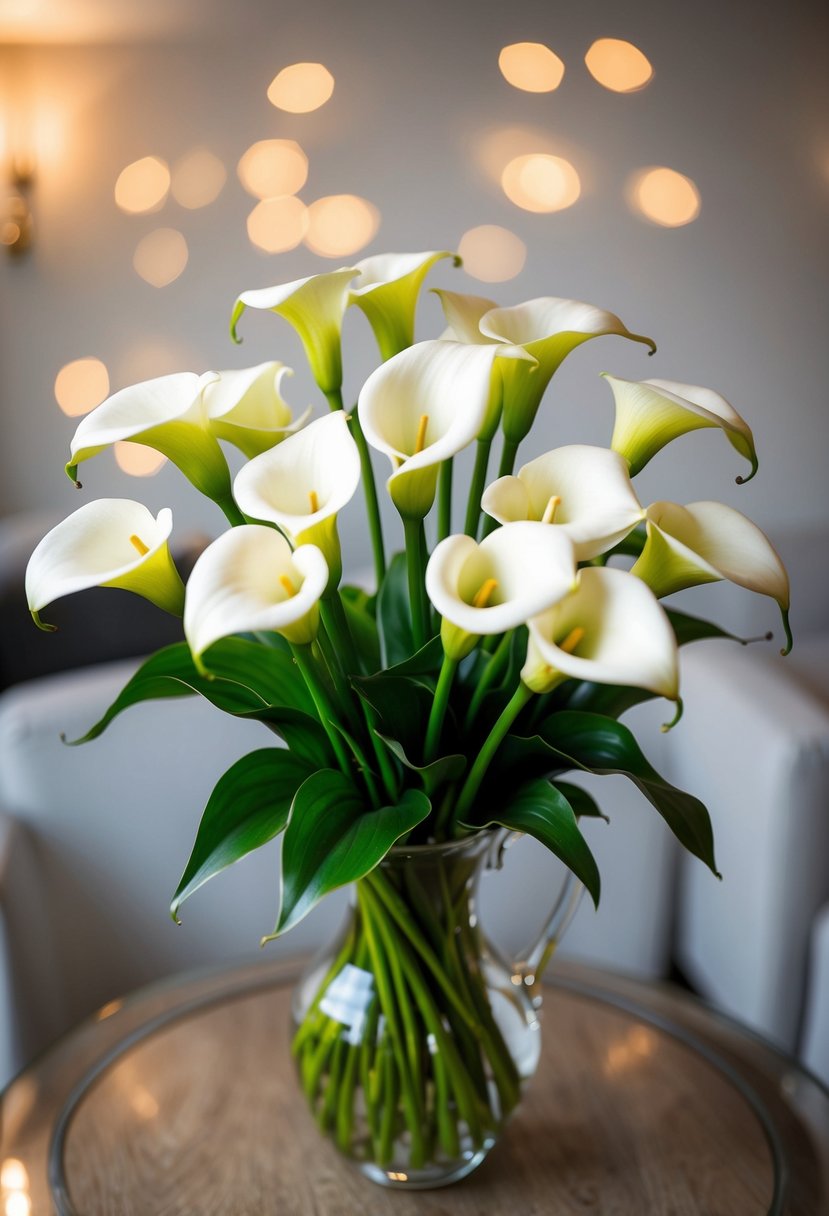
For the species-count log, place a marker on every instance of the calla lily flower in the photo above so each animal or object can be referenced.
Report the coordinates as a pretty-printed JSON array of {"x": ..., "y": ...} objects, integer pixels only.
[
  {"x": 705, "y": 542},
  {"x": 303, "y": 483},
  {"x": 584, "y": 491},
  {"x": 487, "y": 588},
  {"x": 611, "y": 630},
  {"x": 315, "y": 307},
  {"x": 387, "y": 293},
  {"x": 167, "y": 414},
  {"x": 548, "y": 328},
  {"x": 112, "y": 542},
  {"x": 249, "y": 580},
  {"x": 650, "y": 413},
  {"x": 245, "y": 407},
  {"x": 423, "y": 406},
  {"x": 463, "y": 315}
]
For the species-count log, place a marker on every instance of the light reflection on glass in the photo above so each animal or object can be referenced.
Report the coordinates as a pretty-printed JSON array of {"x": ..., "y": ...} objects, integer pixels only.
[
  {"x": 160, "y": 257},
  {"x": 198, "y": 179},
  {"x": 143, "y": 185},
  {"x": 340, "y": 224},
  {"x": 492, "y": 254},
  {"x": 531, "y": 66},
  {"x": 106, "y": 1011},
  {"x": 278, "y": 224},
  {"x": 13, "y": 1175},
  {"x": 272, "y": 167},
  {"x": 301, "y": 87},
  {"x": 81, "y": 385},
  {"x": 618, "y": 65},
  {"x": 138, "y": 461},
  {"x": 664, "y": 197},
  {"x": 541, "y": 183},
  {"x": 18, "y": 1203},
  {"x": 143, "y": 1103}
]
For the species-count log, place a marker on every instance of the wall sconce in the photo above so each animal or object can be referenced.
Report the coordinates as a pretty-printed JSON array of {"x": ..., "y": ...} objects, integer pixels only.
[{"x": 16, "y": 221}]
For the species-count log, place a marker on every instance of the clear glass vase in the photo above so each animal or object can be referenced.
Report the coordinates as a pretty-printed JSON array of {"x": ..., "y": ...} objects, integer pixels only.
[{"x": 413, "y": 1035}]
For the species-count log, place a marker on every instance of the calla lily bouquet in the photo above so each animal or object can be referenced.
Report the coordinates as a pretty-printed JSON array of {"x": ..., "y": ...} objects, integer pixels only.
[{"x": 500, "y": 648}]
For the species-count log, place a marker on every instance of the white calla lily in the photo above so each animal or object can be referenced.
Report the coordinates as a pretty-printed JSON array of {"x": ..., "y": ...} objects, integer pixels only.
[
  {"x": 610, "y": 630},
  {"x": 463, "y": 315},
  {"x": 499, "y": 584},
  {"x": 387, "y": 293},
  {"x": 585, "y": 491},
  {"x": 548, "y": 328},
  {"x": 650, "y": 413},
  {"x": 705, "y": 542},
  {"x": 314, "y": 307},
  {"x": 425, "y": 405},
  {"x": 168, "y": 414},
  {"x": 303, "y": 483},
  {"x": 245, "y": 407},
  {"x": 112, "y": 542},
  {"x": 249, "y": 580}
]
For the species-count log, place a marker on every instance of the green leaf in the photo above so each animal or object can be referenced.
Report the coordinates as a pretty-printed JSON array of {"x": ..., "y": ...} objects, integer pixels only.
[
  {"x": 248, "y": 807},
  {"x": 332, "y": 840},
  {"x": 695, "y": 629},
  {"x": 303, "y": 734},
  {"x": 610, "y": 699},
  {"x": 598, "y": 744},
  {"x": 394, "y": 614},
  {"x": 542, "y": 811},
  {"x": 402, "y": 704},
  {"x": 434, "y": 775},
  {"x": 360, "y": 608},
  {"x": 424, "y": 662},
  {"x": 583, "y": 805}
]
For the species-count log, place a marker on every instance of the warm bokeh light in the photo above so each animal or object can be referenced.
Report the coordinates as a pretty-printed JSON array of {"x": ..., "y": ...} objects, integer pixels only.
[
  {"x": 539, "y": 182},
  {"x": 664, "y": 197},
  {"x": 13, "y": 1175},
  {"x": 81, "y": 385},
  {"x": 272, "y": 167},
  {"x": 278, "y": 224},
  {"x": 340, "y": 225},
  {"x": 18, "y": 1203},
  {"x": 531, "y": 66},
  {"x": 138, "y": 461},
  {"x": 143, "y": 185},
  {"x": 198, "y": 179},
  {"x": 160, "y": 256},
  {"x": 492, "y": 254},
  {"x": 618, "y": 65},
  {"x": 302, "y": 87}
]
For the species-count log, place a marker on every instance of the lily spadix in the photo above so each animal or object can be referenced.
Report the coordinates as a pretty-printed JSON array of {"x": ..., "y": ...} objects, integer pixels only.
[
  {"x": 610, "y": 630},
  {"x": 167, "y": 414},
  {"x": 112, "y": 542},
  {"x": 314, "y": 307},
  {"x": 514, "y": 574},
  {"x": 650, "y": 413},
  {"x": 424, "y": 406},
  {"x": 302, "y": 485},
  {"x": 585, "y": 491},
  {"x": 548, "y": 328},
  {"x": 705, "y": 542},
  {"x": 463, "y": 315},
  {"x": 250, "y": 581},
  {"x": 246, "y": 408},
  {"x": 387, "y": 293}
]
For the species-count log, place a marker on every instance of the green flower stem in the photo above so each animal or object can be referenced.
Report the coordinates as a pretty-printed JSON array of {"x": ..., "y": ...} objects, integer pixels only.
[
  {"x": 375, "y": 527},
  {"x": 508, "y": 454},
  {"x": 388, "y": 1104},
  {"x": 339, "y": 630},
  {"x": 476, "y": 487},
  {"x": 415, "y": 567},
  {"x": 439, "y": 706},
  {"x": 232, "y": 513},
  {"x": 493, "y": 741},
  {"x": 319, "y": 695},
  {"x": 497, "y": 662},
  {"x": 445, "y": 500}
]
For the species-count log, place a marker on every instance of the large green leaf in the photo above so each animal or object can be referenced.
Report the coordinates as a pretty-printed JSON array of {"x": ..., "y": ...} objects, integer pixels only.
[
  {"x": 394, "y": 614},
  {"x": 695, "y": 629},
  {"x": 434, "y": 775},
  {"x": 542, "y": 811},
  {"x": 332, "y": 840},
  {"x": 360, "y": 612},
  {"x": 598, "y": 744},
  {"x": 303, "y": 734},
  {"x": 584, "y": 806},
  {"x": 248, "y": 807},
  {"x": 424, "y": 662},
  {"x": 610, "y": 699},
  {"x": 402, "y": 705}
]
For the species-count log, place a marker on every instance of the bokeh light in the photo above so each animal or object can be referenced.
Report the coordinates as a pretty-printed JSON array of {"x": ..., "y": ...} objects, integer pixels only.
[
  {"x": 492, "y": 254},
  {"x": 618, "y": 65},
  {"x": 531, "y": 66},
  {"x": 160, "y": 256},
  {"x": 138, "y": 460},
  {"x": 81, "y": 385},
  {"x": 198, "y": 179},
  {"x": 278, "y": 224},
  {"x": 18, "y": 1203},
  {"x": 13, "y": 1175},
  {"x": 340, "y": 224},
  {"x": 272, "y": 167},
  {"x": 301, "y": 87},
  {"x": 664, "y": 197},
  {"x": 143, "y": 185},
  {"x": 539, "y": 182}
]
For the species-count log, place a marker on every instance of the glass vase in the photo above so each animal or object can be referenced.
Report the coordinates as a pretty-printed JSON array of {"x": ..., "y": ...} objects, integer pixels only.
[{"x": 413, "y": 1035}]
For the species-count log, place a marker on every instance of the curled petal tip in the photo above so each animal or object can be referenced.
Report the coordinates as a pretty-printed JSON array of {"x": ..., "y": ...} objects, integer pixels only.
[
  {"x": 666, "y": 726},
  {"x": 788, "y": 631},
  {"x": 238, "y": 309},
  {"x": 44, "y": 625},
  {"x": 457, "y": 260}
]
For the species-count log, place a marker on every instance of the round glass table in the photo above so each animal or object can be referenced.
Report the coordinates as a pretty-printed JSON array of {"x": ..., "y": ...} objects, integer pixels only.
[{"x": 182, "y": 1100}]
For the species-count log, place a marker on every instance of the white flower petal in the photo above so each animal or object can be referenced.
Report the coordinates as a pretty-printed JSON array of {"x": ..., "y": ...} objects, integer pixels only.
[
  {"x": 387, "y": 293},
  {"x": 245, "y": 407},
  {"x": 463, "y": 315}
]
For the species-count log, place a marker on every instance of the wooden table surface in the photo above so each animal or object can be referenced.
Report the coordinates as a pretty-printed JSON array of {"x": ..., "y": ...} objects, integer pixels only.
[{"x": 182, "y": 1100}]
